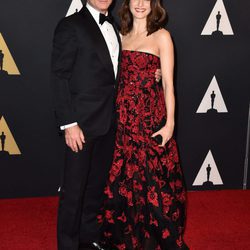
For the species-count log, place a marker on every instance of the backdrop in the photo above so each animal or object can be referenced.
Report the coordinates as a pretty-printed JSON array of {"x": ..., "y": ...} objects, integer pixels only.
[{"x": 211, "y": 39}]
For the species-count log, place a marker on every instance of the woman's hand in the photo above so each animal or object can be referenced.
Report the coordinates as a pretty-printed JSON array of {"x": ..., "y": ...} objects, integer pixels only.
[{"x": 166, "y": 133}]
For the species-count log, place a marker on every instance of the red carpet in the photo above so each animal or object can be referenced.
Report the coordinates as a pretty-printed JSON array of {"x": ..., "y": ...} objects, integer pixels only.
[{"x": 217, "y": 220}]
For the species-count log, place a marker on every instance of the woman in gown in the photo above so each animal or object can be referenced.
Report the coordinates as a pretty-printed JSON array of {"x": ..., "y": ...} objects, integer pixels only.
[{"x": 144, "y": 206}]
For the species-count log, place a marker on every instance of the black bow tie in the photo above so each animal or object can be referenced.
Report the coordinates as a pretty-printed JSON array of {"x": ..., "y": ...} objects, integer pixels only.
[{"x": 104, "y": 18}]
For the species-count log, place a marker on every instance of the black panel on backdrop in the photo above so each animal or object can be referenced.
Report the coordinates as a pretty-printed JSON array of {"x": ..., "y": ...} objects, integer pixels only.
[{"x": 212, "y": 91}]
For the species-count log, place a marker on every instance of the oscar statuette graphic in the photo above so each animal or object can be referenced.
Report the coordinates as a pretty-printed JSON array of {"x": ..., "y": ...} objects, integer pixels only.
[
  {"x": 218, "y": 23},
  {"x": 217, "y": 32},
  {"x": 208, "y": 176},
  {"x": 1, "y": 63},
  {"x": 212, "y": 109},
  {"x": 208, "y": 184},
  {"x": 212, "y": 103},
  {"x": 8, "y": 144},
  {"x": 2, "y": 139},
  {"x": 75, "y": 6},
  {"x": 7, "y": 63}
]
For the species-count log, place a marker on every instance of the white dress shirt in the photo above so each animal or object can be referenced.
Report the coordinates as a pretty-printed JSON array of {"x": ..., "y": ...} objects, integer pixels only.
[{"x": 111, "y": 40}]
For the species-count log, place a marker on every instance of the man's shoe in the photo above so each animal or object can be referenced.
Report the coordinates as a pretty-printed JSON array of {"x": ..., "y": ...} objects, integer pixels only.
[
  {"x": 92, "y": 246},
  {"x": 97, "y": 246}
]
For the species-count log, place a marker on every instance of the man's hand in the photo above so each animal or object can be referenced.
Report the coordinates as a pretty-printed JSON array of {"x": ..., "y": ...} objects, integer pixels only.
[
  {"x": 74, "y": 138},
  {"x": 158, "y": 75}
]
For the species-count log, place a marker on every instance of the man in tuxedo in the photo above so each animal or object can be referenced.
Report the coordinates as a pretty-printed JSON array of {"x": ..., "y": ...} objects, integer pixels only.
[{"x": 86, "y": 50}]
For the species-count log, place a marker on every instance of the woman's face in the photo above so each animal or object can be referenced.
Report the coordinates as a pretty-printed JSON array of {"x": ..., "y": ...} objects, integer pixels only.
[{"x": 140, "y": 8}]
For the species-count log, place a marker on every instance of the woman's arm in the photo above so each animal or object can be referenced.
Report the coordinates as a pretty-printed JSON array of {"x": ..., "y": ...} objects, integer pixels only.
[{"x": 166, "y": 50}]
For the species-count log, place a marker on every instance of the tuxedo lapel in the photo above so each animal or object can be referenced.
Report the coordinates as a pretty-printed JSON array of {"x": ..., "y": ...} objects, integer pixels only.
[{"x": 98, "y": 40}]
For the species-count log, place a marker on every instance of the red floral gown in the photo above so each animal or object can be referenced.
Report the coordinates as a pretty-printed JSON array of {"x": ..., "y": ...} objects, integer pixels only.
[{"x": 144, "y": 206}]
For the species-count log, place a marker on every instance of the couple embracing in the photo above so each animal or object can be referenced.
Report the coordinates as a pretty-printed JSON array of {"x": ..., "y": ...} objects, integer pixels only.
[{"x": 122, "y": 183}]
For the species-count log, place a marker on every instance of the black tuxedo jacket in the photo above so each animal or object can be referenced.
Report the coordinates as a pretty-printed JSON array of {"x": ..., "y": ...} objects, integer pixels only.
[{"x": 83, "y": 79}]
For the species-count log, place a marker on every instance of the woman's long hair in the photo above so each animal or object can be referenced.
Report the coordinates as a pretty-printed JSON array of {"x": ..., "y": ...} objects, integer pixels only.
[{"x": 156, "y": 19}]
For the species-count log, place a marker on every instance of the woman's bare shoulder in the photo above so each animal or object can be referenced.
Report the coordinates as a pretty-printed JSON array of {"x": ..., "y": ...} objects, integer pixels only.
[{"x": 162, "y": 35}]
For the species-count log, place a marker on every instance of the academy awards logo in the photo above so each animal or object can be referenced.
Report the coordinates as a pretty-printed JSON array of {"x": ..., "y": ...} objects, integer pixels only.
[
  {"x": 218, "y": 23},
  {"x": 208, "y": 176},
  {"x": 7, "y": 63},
  {"x": 212, "y": 101},
  {"x": 75, "y": 6},
  {"x": 8, "y": 144}
]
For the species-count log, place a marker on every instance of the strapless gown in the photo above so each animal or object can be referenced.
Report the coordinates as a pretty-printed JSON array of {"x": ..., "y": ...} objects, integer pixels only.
[{"x": 144, "y": 206}]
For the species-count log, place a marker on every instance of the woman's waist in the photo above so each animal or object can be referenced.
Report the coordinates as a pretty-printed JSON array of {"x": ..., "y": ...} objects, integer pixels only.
[{"x": 146, "y": 82}]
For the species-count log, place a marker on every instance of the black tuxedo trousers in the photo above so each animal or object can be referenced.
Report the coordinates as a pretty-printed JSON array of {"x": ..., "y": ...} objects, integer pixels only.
[{"x": 81, "y": 195}]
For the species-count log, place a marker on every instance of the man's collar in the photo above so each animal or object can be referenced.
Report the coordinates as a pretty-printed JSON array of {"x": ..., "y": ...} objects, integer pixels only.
[{"x": 95, "y": 13}]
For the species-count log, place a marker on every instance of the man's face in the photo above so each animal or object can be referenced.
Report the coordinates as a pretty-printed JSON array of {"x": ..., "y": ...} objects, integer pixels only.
[{"x": 100, "y": 5}]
